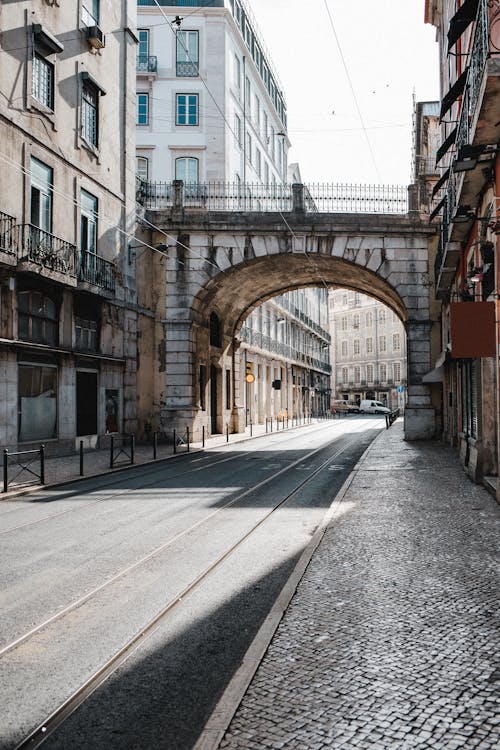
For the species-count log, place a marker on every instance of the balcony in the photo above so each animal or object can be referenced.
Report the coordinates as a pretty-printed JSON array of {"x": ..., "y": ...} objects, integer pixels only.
[
  {"x": 146, "y": 65},
  {"x": 7, "y": 244},
  {"x": 187, "y": 69},
  {"x": 39, "y": 251},
  {"x": 96, "y": 272}
]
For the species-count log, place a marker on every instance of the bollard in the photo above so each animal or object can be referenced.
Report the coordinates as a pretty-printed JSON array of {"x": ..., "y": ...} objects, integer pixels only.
[
  {"x": 203, "y": 436},
  {"x": 187, "y": 435},
  {"x": 111, "y": 450},
  {"x": 5, "y": 469},
  {"x": 155, "y": 444},
  {"x": 81, "y": 458},
  {"x": 175, "y": 441},
  {"x": 132, "y": 448},
  {"x": 251, "y": 429},
  {"x": 266, "y": 425},
  {"x": 227, "y": 433},
  {"x": 42, "y": 464}
]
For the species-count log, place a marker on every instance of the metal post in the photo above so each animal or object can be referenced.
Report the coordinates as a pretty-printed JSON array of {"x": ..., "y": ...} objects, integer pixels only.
[
  {"x": 81, "y": 458},
  {"x": 203, "y": 436},
  {"x": 5, "y": 469},
  {"x": 132, "y": 448},
  {"x": 251, "y": 428},
  {"x": 277, "y": 424},
  {"x": 42, "y": 464},
  {"x": 111, "y": 451},
  {"x": 187, "y": 433},
  {"x": 175, "y": 441},
  {"x": 266, "y": 425},
  {"x": 227, "y": 433},
  {"x": 155, "y": 444}
]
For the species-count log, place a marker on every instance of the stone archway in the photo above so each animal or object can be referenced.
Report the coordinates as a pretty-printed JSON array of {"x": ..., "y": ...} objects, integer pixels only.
[{"x": 227, "y": 265}]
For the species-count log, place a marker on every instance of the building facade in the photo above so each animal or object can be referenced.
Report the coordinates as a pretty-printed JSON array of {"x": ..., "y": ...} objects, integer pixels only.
[
  {"x": 286, "y": 346},
  {"x": 209, "y": 104},
  {"x": 67, "y": 190},
  {"x": 368, "y": 352},
  {"x": 466, "y": 203}
]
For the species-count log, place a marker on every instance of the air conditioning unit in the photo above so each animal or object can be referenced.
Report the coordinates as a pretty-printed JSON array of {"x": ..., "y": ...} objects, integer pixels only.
[{"x": 96, "y": 37}]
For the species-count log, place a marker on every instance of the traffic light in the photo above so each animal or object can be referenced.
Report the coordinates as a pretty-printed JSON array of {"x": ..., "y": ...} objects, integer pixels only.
[{"x": 249, "y": 376}]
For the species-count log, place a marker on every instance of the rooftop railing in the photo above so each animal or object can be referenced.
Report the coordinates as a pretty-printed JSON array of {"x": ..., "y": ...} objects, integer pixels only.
[{"x": 226, "y": 196}]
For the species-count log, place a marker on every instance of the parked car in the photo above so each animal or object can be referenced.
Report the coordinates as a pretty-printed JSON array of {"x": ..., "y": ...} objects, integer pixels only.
[
  {"x": 368, "y": 406},
  {"x": 346, "y": 407}
]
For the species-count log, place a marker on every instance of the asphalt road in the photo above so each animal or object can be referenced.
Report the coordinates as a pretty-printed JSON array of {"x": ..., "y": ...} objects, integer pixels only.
[{"x": 97, "y": 561}]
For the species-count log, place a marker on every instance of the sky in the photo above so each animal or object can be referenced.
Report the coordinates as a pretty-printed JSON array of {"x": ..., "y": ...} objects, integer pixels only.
[{"x": 389, "y": 53}]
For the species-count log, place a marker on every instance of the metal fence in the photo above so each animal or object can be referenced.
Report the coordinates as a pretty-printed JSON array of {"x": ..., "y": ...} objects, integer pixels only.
[{"x": 253, "y": 197}]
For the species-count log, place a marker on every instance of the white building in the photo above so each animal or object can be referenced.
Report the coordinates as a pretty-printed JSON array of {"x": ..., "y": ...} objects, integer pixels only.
[
  {"x": 368, "y": 353},
  {"x": 209, "y": 103}
]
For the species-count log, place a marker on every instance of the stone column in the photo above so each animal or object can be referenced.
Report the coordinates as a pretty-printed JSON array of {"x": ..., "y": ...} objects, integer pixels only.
[
  {"x": 420, "y": 417},
  {"x": 181, "y": 403}
]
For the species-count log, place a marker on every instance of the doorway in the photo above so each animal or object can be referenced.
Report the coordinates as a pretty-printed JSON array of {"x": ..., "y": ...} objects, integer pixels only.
[
  {"x": 86, "y": 403},
  {"x": 213, "y": 400}
]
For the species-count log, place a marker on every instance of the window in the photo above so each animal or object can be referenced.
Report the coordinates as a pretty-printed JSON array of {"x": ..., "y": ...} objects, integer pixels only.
[
  {"x": 266, "y": 132},
  {"x": 257, "y": 113},
  {"x": 237, "y": 129},
  {"x": 396, "y": 343},
  {"x": 383, "y": 373},
  {"x": 186, "y": 108},
  {"x": 37, "y": 388},
  {"x": 258, "y": 162},
  {"x": 344, "y": 348},
  {"x": 228, "y": 389},
  {"x": 369, "y": 345},
  {"x": 142, "y": 109},
  {"x": 356, "y": 346},
  {"x": 355, "y": 321},
  {"x": 86, "y": 334},
  {"x": 397, "y": 371},
  {"x": 345, "y": 374},
  {"x": 42, "y": 83},
  {"x": 266, "y": 173},
  {"x": 369, "y": 373},
  {"x": 382, "y": 344},
  {"x": 248, "y": 147},
  {"x": 215, "y": 330},
  {"x": 142, "y": 167},
  {"x": 90, "y": 112},
  {"x": 37, "y": 318},
  {"x": 357, "y": 374},
  {"x": 143, "y": 50},
  {"x": 186, "y": 169},
  {"x": 187, "y": 53},
  {"x": 237, "y": 74},
  {"x": 381, "y": 316},
  {"x": 369, "y": 319},
  {"x": 41, "y": 195},
  {"x": 344, "y": 323},
  {"x": 248, "y": 97},
  {"x": 88, "y": 222},
  {"x": 90, "y": 12}
]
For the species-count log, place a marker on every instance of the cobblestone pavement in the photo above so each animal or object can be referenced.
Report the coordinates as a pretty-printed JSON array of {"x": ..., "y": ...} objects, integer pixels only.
[{"x": 390, "y": 640}]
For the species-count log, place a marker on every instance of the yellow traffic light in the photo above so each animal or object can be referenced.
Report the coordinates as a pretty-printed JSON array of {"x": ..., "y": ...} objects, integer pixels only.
[{"x": 249, "y": 376}]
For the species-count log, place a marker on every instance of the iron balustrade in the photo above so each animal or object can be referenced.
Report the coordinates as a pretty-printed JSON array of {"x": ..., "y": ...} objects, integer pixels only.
[
  {"x": 187, "y": 69},
  {"x": 97, "y": 271},
  {"x": 272, "y": 346},
  {"x": 6, "y": 239},
  {"x": 146, "y": 64},
  {"x": 224, "y": 196},
  {"x": 45, "y": 249}
]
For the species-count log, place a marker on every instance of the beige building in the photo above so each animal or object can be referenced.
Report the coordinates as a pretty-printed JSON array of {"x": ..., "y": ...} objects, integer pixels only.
[
  {"x": 67, "y": 208},
  {"x": 368, "y": 352}
]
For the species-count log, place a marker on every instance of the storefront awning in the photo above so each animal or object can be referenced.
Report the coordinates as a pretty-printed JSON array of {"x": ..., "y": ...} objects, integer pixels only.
[
  {"x": 461, "y": 20},
  {"x": 455, "y": 91},
  {"x": 434, "y": 376},
  {"x": 448, "y": 141}
]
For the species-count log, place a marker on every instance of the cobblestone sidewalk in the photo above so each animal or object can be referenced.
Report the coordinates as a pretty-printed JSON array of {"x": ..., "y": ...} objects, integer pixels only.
[{"x": 390, "y": 641}]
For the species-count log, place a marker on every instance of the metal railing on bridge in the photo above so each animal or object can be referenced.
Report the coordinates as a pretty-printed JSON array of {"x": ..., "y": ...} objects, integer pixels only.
[{"x": 314, "y": 198}]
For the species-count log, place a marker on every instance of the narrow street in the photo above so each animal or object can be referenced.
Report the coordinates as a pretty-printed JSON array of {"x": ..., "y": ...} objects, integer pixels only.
[{"x": 152, "y": 575}]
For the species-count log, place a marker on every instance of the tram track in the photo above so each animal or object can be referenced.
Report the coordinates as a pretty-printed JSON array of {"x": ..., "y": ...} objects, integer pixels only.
[
  {"x": 156, "y": 470},
  {"x": 38, "y": 736},
  {"x": 160, "y": 549}
]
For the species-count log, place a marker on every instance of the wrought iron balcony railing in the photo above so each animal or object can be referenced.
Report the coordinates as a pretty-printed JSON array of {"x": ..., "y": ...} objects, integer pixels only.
[
  {"x": 187, "y": 69},
  {"x": 45, "y": 249},
  {"x": 92, "y": 269},
  {"x": 146, "y": 64},
  {"x": 7, "y": 223}
]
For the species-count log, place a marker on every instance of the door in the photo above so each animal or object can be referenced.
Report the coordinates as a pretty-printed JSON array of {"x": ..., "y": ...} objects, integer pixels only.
[
  {"x": 213, "y": 400},
  {"x": 86, "y": 403}
]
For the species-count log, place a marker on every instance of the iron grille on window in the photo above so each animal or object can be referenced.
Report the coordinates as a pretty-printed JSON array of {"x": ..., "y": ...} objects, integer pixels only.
[
  {"x": 42, "y": 84},
  {"x": 89, "y": 113}
]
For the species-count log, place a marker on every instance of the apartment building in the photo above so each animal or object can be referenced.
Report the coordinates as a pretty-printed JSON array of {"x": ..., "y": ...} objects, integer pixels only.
[
  {"x": 368, "y": 353},
  {"x": 210, "y": 107},
  {"x": 466, "y": 204},
  {"x": 67, "y": 189}
]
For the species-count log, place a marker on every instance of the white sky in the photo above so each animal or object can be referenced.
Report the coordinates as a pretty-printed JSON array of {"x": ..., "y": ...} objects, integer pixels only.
[{"x": 389, "y": 52}]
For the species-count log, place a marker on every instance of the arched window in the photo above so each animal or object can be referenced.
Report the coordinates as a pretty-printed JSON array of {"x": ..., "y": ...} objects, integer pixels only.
[
  {"x": 215, "y": 331},
  {"x": 187, "y": 169},
  {"x": 37, "y": 318},
  {"x": 142, "y": 168}
]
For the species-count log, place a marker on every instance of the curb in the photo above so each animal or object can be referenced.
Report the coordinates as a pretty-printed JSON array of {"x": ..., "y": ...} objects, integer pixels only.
[{"x": 228, "y": 704}]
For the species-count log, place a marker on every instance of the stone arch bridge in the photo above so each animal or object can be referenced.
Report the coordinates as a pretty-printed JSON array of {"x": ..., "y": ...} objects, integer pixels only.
[{"x": 227, "y": 263}]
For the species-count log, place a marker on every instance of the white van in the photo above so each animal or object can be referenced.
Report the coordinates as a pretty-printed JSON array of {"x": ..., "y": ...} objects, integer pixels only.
[{"x": 373, "y": 407}]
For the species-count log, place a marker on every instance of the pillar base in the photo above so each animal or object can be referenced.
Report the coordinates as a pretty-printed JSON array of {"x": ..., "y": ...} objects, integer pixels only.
[{"x": 420, "y": 423}]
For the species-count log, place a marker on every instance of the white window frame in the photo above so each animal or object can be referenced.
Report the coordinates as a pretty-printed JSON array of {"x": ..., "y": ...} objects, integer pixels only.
[
  {"x": 142, "y": 96},
  {"x": 188, "y": 165},
  {"x": 90, "y": 12},
  {"x": 90, "y": 113},
  {"x": 187, "y": 104},
  {"x": 42, "y": 81}
]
